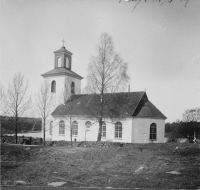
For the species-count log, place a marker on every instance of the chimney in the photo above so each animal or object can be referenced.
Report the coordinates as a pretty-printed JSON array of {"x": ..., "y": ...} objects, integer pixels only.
[{"x": 128, "y": 90}]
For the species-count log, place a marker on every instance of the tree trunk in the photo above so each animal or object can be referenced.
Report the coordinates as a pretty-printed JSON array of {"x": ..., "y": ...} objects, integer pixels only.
[
  {"x": 16, "y": 130},
  {"x": 101, "y": 116},
  {"x": 71, "y": 135},
  {"x": 100, "y": 130},
  {"x": 44, "y": 134}
]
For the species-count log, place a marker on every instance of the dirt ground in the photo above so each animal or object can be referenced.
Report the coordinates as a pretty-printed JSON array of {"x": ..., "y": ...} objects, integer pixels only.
[{"x": 132, "y": 166}]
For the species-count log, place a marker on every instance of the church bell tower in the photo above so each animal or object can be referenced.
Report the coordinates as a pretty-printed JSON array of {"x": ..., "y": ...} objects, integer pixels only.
[
  {"x": 63, "y": 58},
  {"x": 62, "y": 80}
]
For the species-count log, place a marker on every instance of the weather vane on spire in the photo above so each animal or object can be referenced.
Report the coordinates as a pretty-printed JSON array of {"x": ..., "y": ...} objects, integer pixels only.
[{"x": 63, "y": 42}]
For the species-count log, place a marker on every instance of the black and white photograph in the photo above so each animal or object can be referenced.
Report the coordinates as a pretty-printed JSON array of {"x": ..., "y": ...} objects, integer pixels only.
[{"x": 100, "y": 94}]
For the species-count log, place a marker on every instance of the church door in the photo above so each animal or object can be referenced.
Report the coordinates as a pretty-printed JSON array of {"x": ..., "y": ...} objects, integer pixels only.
[{"x": 87, "y": 135}]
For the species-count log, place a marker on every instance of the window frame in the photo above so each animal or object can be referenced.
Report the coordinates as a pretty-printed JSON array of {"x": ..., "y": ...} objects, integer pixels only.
[
  {"x": 73, "y": 88},
  {"x": 61, "y": 128},
  {"x": 59, "y": 62},
  {"x": 118, "y": 126},
  {"x": 74, "y": 130},
  {"x": 153, "y": 132},
  {"x": 51, "y": 128},
  {"x": 67, "y": 62},
  {"x": 53, "y": 86},
  {"x": 103, "y": 131},
  {"x": 88, "y": 126}
]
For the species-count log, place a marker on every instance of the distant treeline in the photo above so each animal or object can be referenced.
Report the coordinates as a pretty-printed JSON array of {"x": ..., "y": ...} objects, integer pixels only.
[
  {"x": 25, "y": 124},
  {"x": 182, "y": 129}
]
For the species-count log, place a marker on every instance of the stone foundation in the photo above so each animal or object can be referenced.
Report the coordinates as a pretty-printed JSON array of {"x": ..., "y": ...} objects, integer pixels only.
[{"x": 85, "y": 144}]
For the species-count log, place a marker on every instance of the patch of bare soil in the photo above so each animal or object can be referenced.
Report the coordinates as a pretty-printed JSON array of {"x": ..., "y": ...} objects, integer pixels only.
[{"x": 133, "y": 166}]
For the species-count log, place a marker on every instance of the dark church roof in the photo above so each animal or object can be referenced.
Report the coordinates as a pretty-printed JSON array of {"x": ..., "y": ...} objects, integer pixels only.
[
  {"x": 148, "y": 110},
  {"x": 129, "y": 104},
  {"x": 61, "y": 71}
]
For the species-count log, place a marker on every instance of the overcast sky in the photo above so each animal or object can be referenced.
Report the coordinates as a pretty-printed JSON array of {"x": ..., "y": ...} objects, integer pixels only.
[{"x": 161, "y": 44}]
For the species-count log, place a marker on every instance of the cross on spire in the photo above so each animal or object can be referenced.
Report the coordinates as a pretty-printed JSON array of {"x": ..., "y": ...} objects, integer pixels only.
[{"x": 63, "y": 42}]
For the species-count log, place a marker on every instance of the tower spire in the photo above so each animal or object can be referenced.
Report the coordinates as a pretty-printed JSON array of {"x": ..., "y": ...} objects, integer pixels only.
[{"x": 63, "y": 42}]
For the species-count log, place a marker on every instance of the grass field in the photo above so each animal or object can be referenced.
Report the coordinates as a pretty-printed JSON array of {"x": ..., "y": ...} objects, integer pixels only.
[{"x": 132, "y": 166}]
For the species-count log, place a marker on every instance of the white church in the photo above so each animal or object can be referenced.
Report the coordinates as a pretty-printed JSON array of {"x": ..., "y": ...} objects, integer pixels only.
[{"x": 130, "y": 117}]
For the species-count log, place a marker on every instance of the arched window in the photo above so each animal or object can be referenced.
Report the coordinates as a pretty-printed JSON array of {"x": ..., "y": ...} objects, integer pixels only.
[
  {"x": 103, "y": 132},
  {"x": 75, "y": 128},
  {"x": 66, "y": 62},
  {"x": 72, "y": 88},
  {"x": 153, "y": 132},
  {"x": 118, "y": 130},
  {"x": 61, "y": 127},
  {"x": 53, "y": 86},
  {"x": 59, "y": 62},
  {"x": 50, "y": 127},
  {"x": 88, "y": 124}
]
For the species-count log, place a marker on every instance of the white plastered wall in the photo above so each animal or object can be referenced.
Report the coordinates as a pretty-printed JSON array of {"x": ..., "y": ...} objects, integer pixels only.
[
  {"x": 81, "y": 129},
  {"x": 126, "y": 131},
  {"x": 134, "y": 130},
  {"x": 141, "y": 130},
  {"x": 61, "y": 82},
  {"x": 58, "y": 98},
  {"x": 68, "y": 80},
  {"x": 85, "y": 134},
  {"x": 48, "y": 136}
]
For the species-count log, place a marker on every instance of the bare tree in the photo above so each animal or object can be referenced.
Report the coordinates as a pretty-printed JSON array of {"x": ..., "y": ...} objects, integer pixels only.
[
  {"x": 107, "y": 73},
  {"x": 44, "y": 106},
  {"x": 17, "y": 101},
  {"x": 2, "y": 103},
  {"x": 191, "y": 115},
  {"x": 137, "y": 2},
  {"x": 2, "y": 100},
  {"x": 191, "y": 119}
]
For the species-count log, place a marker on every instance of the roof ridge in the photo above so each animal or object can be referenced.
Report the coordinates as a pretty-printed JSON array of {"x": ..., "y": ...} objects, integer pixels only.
[
  {"x": 112, "y": 93},
  {"x": 138, "y": 102}
]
